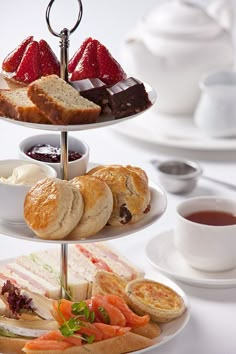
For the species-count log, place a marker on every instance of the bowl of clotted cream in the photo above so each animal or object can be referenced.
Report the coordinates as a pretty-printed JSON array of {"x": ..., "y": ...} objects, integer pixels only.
[{"x": 16, "y": 179}]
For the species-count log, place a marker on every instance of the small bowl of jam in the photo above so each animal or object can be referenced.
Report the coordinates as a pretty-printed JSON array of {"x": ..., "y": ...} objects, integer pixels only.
[{"x": 45, "y": 148}]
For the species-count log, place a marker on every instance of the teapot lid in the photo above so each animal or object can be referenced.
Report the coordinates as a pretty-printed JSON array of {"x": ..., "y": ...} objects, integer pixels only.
[{"x": 185, "y": 18}]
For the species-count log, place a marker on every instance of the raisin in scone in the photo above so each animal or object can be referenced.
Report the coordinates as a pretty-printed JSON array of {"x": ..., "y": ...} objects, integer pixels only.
[{"x": 131, "y": 194}]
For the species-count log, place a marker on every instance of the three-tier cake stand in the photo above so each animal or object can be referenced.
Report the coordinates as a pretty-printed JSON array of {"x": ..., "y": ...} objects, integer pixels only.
[{"x": 158, "y": 198}]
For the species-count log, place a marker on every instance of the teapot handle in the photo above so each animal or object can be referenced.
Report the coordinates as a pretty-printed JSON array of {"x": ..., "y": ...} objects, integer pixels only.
[{"x": 219, "y": 10}]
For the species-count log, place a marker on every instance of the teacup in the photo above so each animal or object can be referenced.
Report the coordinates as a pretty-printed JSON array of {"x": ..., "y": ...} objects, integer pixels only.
[{"x": 205, "y": 233}]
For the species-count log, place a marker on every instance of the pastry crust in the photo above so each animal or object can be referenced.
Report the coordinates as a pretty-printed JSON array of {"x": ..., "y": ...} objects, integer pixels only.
[
  {"x": 52, "y": 208},
  {"x": 131, "y": 194},
  {"x": 161, "y": 302},
  {"x": 109, "y": 283},
  {"x": 98, "y": 204}
]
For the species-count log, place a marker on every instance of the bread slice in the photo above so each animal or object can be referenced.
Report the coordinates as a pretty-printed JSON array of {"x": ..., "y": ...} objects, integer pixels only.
[
  {"x": 61, "y": 103},
  {"x": 17, "y": 105},
  {"x": 122, "y": 344}
]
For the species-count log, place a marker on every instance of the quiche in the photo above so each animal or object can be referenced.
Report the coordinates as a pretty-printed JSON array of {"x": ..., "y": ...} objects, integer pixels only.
[{"x": 161, "y": 302}]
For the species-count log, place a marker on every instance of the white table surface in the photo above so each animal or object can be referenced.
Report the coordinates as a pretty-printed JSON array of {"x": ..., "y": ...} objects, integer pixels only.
[{"x": 211, "y": 329}]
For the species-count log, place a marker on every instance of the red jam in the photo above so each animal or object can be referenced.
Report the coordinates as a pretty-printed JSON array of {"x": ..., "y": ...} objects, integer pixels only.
[{"x": 49, "y": 153}]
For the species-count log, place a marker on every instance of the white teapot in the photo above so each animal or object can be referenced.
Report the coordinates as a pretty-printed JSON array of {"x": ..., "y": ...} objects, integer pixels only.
[{"x": 175, "y": 45}]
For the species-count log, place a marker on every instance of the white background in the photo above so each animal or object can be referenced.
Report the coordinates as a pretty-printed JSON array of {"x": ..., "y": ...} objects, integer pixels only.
[{"x": 106, "y": 20}]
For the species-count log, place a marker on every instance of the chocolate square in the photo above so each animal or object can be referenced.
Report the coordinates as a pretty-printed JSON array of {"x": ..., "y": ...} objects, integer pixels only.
[
  {"x": 128, "y": 97},
  {"x": 92, "y": 89}
]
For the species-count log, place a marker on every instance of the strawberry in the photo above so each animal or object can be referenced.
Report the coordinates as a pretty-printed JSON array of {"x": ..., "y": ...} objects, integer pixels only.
[
  {"x": 12, "y": 60},
  {"x": 87, "y": 67},
  {"x": 29, "y": 67},
  {"x": 110, "y": 70},
  {"x": 78, "y": 55},
  {"x": 49, "y": 62}
]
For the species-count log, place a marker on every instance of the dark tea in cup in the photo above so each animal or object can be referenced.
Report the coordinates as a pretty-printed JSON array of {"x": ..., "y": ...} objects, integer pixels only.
[{"x": 212, "y": 217}]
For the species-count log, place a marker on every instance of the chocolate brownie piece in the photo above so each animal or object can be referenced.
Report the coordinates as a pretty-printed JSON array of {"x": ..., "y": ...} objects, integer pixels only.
[{"x": 127, "y": 97}]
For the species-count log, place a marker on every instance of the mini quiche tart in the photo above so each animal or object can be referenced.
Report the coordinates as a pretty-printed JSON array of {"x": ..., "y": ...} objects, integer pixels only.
[{"x": 162, "y": 303}]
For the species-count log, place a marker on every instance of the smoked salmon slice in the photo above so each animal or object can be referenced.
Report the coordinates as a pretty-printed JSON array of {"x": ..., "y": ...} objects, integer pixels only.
[
  {"x": 111, "y": 318},
  {"x": 111, "y": 331},
  {"x": 106, "y": 312},
  {"x": 132, "y": 319},
  {"x": 62, "y": 310},
  {"x": 46, "y": 345}
]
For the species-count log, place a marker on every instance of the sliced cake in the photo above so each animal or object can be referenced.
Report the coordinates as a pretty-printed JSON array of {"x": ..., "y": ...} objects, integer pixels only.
[
  {"x": 61, "y": 103},
  {"x": 17, "y": 105}
]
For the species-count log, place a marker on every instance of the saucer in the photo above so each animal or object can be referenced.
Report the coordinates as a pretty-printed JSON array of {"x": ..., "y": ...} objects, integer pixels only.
[{"x": 162, "y": 254}]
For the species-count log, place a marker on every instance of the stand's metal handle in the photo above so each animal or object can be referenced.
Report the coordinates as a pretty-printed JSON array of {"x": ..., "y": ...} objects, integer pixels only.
[{"x": 73, "y": 28}]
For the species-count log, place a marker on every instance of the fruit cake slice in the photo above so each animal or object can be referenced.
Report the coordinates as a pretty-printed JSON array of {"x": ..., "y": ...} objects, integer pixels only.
[
  {"x": 61, "y": 103},
  {"x": 17, "y": 105}
]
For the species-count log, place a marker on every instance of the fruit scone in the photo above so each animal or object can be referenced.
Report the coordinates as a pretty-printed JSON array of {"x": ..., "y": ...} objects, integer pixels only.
[{"x": 131, "y": 193}]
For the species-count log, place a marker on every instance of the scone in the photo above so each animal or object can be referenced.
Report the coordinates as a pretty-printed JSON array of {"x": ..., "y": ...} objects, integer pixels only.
[
  {"x": 157, "y": 300},
  {"x": 131, "y": 194},
  {"x": 98, "y": 205},
  {"x": 53, "y": 208}
]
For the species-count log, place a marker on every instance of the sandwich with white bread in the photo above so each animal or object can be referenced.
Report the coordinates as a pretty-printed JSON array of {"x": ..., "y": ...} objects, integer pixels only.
[
  {"x": 40, "y": 271},
  {"x": 24, "y": 278}
]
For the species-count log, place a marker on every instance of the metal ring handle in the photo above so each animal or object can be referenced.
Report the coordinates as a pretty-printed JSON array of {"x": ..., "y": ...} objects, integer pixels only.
[{"x": 73, "y": 28}]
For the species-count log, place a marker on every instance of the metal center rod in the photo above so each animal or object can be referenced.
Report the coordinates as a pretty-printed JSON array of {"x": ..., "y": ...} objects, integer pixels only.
[
  {"x": 64, "y": 53},
  {"x": 64, "y": 271},
  {"x": 64, "y": 247}
]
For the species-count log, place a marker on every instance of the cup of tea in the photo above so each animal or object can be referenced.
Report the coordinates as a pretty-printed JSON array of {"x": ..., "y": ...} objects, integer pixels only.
[{"x": 205, "y": 232}]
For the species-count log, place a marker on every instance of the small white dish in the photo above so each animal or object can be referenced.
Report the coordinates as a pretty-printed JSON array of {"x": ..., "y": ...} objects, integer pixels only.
[
  {"x": 12, "y": 196},
  {"x": 75, "y": 168},
  {"x": 162, "y": 254}
]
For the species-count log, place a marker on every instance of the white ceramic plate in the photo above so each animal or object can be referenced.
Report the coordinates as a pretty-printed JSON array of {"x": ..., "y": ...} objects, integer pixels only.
[
  {"x": 162, "y": 254},
  {"x": 173, "y": 132},
  {"x": 168, "y": 330},
  {"x": 103, "y": 121},
  {"x": 158, "y": 207}
]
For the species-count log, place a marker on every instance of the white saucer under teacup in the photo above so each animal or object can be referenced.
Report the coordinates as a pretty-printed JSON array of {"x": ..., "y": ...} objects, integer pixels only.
[{"x": 162, "y": 254}]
